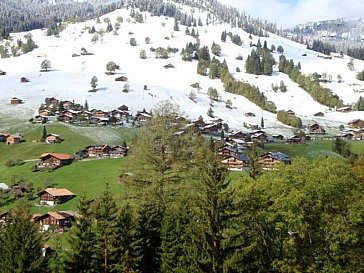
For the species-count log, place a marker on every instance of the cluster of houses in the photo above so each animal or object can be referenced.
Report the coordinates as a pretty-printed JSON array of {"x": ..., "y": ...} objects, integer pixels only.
[
  {"x": 57, "y": 160},
  {"x": 233, "y": 152},
  {"x": 355, "y": 130},
  {"x": 71, "y": 112},
  {"x": 55, "y": 221}
]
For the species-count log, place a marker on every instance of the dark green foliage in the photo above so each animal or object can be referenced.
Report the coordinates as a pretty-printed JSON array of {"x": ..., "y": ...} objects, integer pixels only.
[
  {"x": 44, "y": 134},
  {"x": 341, "y": 147},
  {"x": 280, "y": 49},
  {"x": 21, "y": 244},
  {"x": 359, "y": 106},
  {"x": 302, "y": 218},
  {"x": 82, "y": 254},
  {"x": 260, "y": 62},
  {"x": 311, "y": 86},
  {"x": 323, "y": 47},
  {"x": 223, "y": 36},
  {"x": 251, "y": 92},
  {"x": 175, "y": 26},
  {"x": 148, "y": 230},
  {"x": 215, "y": 49},
  {"x": 360, "y": 76},
  {"x": 289, "y": 119},
  {"x": 124, "y": 254}
]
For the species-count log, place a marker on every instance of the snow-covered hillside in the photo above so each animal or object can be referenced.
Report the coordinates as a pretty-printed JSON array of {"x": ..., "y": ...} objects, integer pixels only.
[{"x": 69, "y": 78}]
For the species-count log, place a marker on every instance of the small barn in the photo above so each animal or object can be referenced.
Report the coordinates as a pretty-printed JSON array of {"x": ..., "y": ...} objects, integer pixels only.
[{"x": 15, "y": 101}]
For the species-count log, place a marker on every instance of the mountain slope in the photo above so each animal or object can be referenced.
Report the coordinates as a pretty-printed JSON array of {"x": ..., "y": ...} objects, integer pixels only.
[{"x": 69, "y": 78}]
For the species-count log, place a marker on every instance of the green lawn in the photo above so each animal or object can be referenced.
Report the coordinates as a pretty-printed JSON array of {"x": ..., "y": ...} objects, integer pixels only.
[
  {"x": 310, "y": 149},
  {"x": 87, "y": 176}
]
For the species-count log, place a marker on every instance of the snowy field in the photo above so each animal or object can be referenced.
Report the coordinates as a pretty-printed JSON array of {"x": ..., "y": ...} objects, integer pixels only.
[{"x": 69, "y": 78}]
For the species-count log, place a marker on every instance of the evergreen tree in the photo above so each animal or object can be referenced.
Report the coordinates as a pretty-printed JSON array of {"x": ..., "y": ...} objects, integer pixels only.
[
  {"x": 93, "y": 82},
  {"x": 176, "y": 26},
  {"x": 359, "y": 106},
  {"x": 124, "y": 255},
  {"x": 262, "y": 123},
  {"x": 21, "y": 244},
  {"x": 213, "y": 201},
  {"x": 82, "y": 241},
  {"x": 44, "y": 134},
  {"x": 105, "y": 214},
  {"x": 223, "y": 36},
  {"x": 85, "y": 107},
  {"x": 280, "y": 49},
  {"x": 148, "y": 229}
]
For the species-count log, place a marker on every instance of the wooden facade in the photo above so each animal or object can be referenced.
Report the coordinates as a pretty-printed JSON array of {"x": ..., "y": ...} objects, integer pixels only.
[
  {"x": 53, "y": 196},
  {"x": 54, "y": 160},
  {"x": 56, "y": 221},
  {"x": 270, "y": 159},
  {"x": 356, "y": 123},
  {"x": 98, "y": 150}
]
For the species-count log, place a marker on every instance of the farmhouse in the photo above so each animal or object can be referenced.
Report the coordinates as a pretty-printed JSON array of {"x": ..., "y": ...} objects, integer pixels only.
[
  {"x": 346, "y": 109},
  {"x": 56, "y": 221},
  {"x": 53, "y": 196},
  {"x": 278, "y": 137},
  {"x": 268, "y": 160},
  {"x": 24, "y": 80},
  {"x": 40, "y": 119},
  {"x": 356, "y": 123},
  {"x": 294, "y": 139},
  {"x": 13, "y": 139},
  {"x": 143, "y": 116},
  {"x": 15, "y": 101},
  {"x": 53, "y": 138},
  {"x": 121, "y": 79},
  {"x": 316, "y": 129},
  {"x": 169, "y": 66},
  {"x": 55, "y": 160},
  {"x": 238, "y": 161},
  {"x": 98, "y": 150},
  {"x": 319, "y": 114}
]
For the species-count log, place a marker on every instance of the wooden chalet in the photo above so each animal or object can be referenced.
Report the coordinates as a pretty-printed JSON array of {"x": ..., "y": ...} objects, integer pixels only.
[
  {"x": 259, "y": 136},
  {"x": 98, "y": 150},
  {"x": 15, "y": 101},
  {"x": 100, "y": 114},
  {"x": 358, "y": 134},
  {"x": 169, "y": 66},
  {"x": 249, "y": 114},
  {"x": 227, "y": 151},
  {"x": 13, "y": 139},
  {"x": 319, "y": 114},
  {"x": 270, "y": 159},
  {"x": 239, "y": 135},
  {"x": 47, "y": 111},
  {"x": 53, "y": 196},
  {"x": 24, "y": 80},
  {"x": 316, "y": 129},
  {"x": 41, "y": 119},
  {"x": 67, "y": 104},
  {"x": 123, "y": 108},
  {"x": 121, "y": 79},
  {"x": 356, "y": 123},
  {"x": 346, "y": 109},
  {"x": 53, "y": 138},
  {"x": 143, "y": 117},
  {"x": 118, "y": 151},
  {"x": 294, "y": 139},
  {"x": 238, "y": 161},
  {"x": 211, "y": 128},
  {"x": 57, "y": 221},
  {"x": 278, "y": 137},
  {"x": 55, "y": 160},
  {"x": 345, "y": 135},
  {"x": 20, "y": 189}
]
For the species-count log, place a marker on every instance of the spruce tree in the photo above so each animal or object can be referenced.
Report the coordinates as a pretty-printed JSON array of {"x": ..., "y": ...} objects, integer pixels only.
[
  {"x": 105, "y": 215},
  {"x": 21, "y": 244},
  {"x": 124, "y": 254},
  {"x": 44, "y": 134},
  {"x": 81, "y": 257}
]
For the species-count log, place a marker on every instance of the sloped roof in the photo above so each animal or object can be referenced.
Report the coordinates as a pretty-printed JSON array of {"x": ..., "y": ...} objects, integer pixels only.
[
  {"x": 58, "y": 192},
  {"x": 57, "y": 155},
  {"x": 277, "y": 155}
]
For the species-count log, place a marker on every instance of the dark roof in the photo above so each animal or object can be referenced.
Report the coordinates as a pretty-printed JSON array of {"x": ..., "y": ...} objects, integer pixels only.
[
  {"x": 278, "y": 156},
  {"x": 241, "y": 157}
]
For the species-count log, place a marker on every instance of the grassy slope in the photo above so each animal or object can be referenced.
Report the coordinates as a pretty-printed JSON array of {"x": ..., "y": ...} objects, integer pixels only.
[{"x": 80, "y": 177}]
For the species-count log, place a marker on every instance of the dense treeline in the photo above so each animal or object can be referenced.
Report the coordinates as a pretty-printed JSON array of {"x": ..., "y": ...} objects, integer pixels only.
[
  {"x": 323, "y": 47},
  {"x": 260, "y": 62},
  {"x": 187, "y": 216},
  {"x": 215, "y": 69},
  {"x": 360, "y": 76},
  {"x": 26, "y": 15},
  {"x": 289, "y": 119},
  {"x": 318, "y": 93}
]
